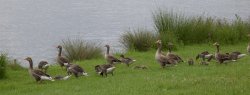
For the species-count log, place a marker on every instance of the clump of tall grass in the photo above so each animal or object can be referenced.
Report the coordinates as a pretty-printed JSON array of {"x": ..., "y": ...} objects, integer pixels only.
[
  {"x": 77, "y": 49},
  {"x": 138, "y": 39},
  {"x": 174, "y": 27},
  {"x": 3, "y": 62}
]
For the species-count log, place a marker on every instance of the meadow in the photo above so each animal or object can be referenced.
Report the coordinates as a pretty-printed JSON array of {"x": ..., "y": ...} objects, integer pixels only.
[{"x": 214, "y": 79}]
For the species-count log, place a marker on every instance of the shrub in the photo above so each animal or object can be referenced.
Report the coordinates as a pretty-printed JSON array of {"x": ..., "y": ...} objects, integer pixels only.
[
  {"x": 3, "y": 62},
  {"x": 140, "y": 39},
  {"x": 78, "y": 49}
]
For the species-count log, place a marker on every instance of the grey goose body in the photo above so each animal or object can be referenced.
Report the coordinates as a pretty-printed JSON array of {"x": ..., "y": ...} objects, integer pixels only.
[
  {"x": 126, "y": 60},
  {"x": 105, "y": 69},
  {"x": 38, "y": 75},
  {"x": 43, "y": 65},
  {"x": 109, "y": 58},
  {"x": 221, "y": 58},
  {"x": 75, "y": 69},
  {"x": 60, "y": 59}
]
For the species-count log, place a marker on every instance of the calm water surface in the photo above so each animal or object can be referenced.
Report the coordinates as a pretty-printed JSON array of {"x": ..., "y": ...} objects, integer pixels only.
[{"x": 35, "y": 27}]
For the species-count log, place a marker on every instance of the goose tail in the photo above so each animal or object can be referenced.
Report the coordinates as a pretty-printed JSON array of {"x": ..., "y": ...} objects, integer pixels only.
[
  {"x": 241, "y": 55},
  {"x": 47, "y": 78}
]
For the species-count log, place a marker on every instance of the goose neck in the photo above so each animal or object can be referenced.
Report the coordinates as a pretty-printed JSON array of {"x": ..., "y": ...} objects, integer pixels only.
[
  {"x": 107, "y": 52},
  {"x": 218, "y": 50},
  {"x": 31, "y": 64},
  {"x": 60, "y": 52}
]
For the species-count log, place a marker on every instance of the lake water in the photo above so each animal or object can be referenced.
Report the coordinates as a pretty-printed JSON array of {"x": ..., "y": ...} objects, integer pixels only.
[{"x": 35, "y": 27}]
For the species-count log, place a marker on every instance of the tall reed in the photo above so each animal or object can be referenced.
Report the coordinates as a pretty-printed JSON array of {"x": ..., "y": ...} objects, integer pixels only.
[
  {"x": 77, "y": 49},
  {"x": 174, "y": 27}
]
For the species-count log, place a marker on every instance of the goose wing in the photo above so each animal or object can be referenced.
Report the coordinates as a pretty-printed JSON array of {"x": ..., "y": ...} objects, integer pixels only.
[
  {"x": 163, "y": 59},
  {"x": 205, "y": 53},
  {"x": 113, "y": 59},
  {"x": 39, "y": 73},
  {"x": 76, "y": 69},
  {"x": 61, "y": 60}
]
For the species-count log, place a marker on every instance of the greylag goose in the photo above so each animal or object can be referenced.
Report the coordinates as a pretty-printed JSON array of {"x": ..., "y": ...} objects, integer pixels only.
[
  {"x": 126, "y": 60},
  {"x": 61, "y": 60},
  {"x": 190, "y": 61},
  {"x": 204, "y": 55},
  {"x": 75, "y": 69},
  {"x": 105, "y": 69},
  {"x": 109, "y": 58},
  {"x": 162, "y": 59},
  {"x": 248, "y": 48},
  {"x": 43, "y": 65},
  {"x": 170, "y": 55},
  {"x": 62, "y": 77},
  {"x": 236, "y": 55},
  {"x": 37, "y": 74},
  {"x": 219, "y": 56}
]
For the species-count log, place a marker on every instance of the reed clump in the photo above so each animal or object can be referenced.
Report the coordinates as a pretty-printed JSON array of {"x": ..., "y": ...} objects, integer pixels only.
[
  {"x": 138, "y": 39},
  {"x": 174, "y": 27},
  {"x": 78, "y": 49}
]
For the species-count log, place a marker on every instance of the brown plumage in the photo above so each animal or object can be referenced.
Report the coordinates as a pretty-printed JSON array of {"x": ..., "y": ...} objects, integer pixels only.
[
  {"x": 236, "y": 55},
  {"x": 126, "y": 60},
  {"x": 59, "y": 77},
  {"x": 38, "y": 75},
  {"x": 109, "y": 58},
  {"x": 75, "y": 69},
  {"x": 43, "y": 65},
  {"x": 205, "y": 55},
  {"x": 171, "y": 55},
  {"x": 61, "y": 60},
  {"x": 105, "y": 69},
  {"x": 162, "y": 59},
  {"x": 219, "y": 56}
]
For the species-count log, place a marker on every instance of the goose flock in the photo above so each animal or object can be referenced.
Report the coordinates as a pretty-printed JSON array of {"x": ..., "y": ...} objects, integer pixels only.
[{"x": 168, "y": 59}]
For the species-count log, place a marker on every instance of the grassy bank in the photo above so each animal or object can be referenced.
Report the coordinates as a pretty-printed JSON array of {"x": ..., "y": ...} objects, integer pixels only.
[{"x": 215, "y": 79}]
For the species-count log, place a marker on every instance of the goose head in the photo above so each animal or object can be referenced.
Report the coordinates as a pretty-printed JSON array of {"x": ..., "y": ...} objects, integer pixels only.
[
  {"x": 158, "y": 42},
  {"x": 98, "y": 68},
  {"x": 122, "y": 56},
  {"x": 28, "y": 59},
  {"x": 59, "y": 47},
  {"x": 107, "y": 46},
  {"x": 216, "y": 44},
  {"x": 30, "y": 62}
]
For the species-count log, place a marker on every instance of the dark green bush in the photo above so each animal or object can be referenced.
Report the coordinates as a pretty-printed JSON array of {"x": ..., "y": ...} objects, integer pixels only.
[{"x": 3, "y": 62}]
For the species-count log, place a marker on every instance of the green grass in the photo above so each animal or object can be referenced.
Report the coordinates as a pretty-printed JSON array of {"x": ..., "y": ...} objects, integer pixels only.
[{"x": 214, "y": 79}]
